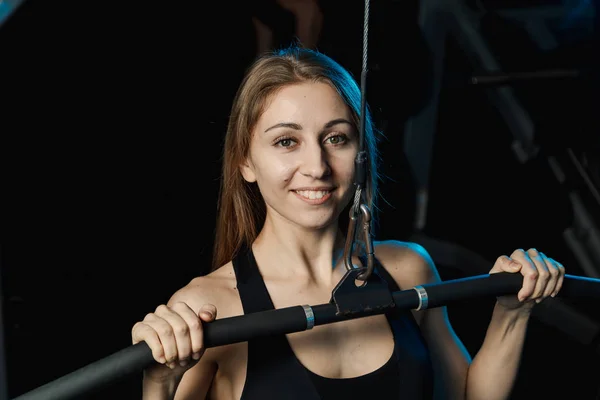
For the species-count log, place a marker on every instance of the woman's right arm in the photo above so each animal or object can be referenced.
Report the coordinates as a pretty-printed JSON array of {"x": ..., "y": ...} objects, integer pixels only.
[{"x": 174, "y": 334}]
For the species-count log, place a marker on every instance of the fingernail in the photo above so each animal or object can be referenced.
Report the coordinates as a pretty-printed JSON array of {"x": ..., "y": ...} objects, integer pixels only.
[
  {"x": 183, "y": 363},
  {"x": 538, "y": 300},
  {"x": 207, "y": 314},
  {"x": 171, "y": 365},
  {"x": 196, "y": 356}
]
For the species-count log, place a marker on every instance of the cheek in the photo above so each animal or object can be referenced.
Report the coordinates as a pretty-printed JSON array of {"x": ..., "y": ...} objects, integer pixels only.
[
  {"x": 344, "y": 167},
  {"x": 274, "y": 174}
]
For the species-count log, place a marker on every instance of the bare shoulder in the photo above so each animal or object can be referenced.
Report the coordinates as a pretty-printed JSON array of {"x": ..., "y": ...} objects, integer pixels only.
[
  {"x": 218, "y": 288},
  {"x": 409, "y": 263}
]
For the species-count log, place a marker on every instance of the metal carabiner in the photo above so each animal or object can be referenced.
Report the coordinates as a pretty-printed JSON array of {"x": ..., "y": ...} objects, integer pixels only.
[
  {"x": 368, "y": 240},
  {"x": 350, "y": 240},
  {"x": 366, "y": 228}
]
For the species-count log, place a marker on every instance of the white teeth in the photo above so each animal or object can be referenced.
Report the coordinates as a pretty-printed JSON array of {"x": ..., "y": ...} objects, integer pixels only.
[{"x": 312, "y": 194}]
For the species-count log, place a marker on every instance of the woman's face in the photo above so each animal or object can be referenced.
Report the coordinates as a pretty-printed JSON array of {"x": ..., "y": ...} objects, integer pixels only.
[{"x": 302, "y": 155}]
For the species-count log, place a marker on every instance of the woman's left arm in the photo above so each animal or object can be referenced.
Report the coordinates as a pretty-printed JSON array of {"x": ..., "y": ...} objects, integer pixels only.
[
  {"x": 492, "y": 372},
  {"x": 494, "y": 369}
]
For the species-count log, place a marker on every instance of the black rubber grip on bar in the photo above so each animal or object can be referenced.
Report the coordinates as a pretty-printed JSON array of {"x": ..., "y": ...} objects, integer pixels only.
[
  {"x": 499, "y": 284},
  {"x": 111, "y": 369},
  {"x": 245, "y": 327},
  {"x": 473, "y": 287},
  {"x": 135, "y": 358}
]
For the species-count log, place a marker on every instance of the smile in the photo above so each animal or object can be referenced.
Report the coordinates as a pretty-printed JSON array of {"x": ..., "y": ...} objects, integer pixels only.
[{"x": 313, "y": 196}]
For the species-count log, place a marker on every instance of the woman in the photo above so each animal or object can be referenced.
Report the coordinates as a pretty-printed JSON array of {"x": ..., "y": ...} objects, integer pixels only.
[{"x": 287, "y": 183}]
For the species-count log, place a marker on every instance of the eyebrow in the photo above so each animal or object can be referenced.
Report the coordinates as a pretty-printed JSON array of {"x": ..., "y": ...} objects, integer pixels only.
[{"x": 298, "y": 127}]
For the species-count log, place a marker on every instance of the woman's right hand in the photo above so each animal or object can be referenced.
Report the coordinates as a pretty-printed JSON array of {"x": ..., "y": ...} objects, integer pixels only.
[{"x": 174, "y": 334}]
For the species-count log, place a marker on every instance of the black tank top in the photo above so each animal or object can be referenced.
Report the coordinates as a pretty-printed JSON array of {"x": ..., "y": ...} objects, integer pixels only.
[{"x": 274, "y": 372}]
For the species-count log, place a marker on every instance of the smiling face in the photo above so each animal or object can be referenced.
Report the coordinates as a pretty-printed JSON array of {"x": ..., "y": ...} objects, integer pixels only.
[{"x": 302, "y": 155}]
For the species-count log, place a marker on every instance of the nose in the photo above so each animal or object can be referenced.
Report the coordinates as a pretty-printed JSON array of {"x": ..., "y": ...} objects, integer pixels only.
[{"x": 315, "y": 163}]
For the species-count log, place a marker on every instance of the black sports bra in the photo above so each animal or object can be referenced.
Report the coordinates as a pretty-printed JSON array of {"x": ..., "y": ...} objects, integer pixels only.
[{"x": 274, "y": 372}]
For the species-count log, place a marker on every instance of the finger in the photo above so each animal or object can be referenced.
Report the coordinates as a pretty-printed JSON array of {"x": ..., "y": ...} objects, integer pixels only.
[
  {"x": 194, "y": 326},
  {"x": 208, "y": 312},
  {"x": 165, "y": 334},
  {"x": 180, "y": 333},
  {"x": 141, "y": 332},
  {"x": 554, "y": 275},
  {"x": 529, "y": 272},
  {"x": 543, "y": 275},
  {"x": 561, "y": 276},
  {"x": 505, "y": 264}
]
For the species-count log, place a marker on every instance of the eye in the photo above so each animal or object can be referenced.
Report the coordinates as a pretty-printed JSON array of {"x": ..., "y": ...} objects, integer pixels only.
[
  {"x": 284, "y": 142},
  {"x": 337, "y": 139}
]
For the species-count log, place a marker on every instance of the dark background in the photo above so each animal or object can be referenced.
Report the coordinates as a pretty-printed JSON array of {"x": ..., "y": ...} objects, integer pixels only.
[{"x": 112, "y": 120}]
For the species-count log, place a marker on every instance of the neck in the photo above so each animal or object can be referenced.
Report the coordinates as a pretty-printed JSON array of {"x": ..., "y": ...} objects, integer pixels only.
[{"x": 285, "y": 251}]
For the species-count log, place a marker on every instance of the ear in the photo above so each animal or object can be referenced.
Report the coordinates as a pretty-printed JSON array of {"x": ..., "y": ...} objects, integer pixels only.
[{"x": 247, "y": 170}]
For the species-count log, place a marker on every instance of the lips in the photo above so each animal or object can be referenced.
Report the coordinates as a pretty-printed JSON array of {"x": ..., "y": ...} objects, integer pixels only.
[{"x": 314, "y": 196}]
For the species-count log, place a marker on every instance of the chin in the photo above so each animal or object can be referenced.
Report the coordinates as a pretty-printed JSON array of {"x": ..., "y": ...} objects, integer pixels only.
[{"x": 316, "y": 224}]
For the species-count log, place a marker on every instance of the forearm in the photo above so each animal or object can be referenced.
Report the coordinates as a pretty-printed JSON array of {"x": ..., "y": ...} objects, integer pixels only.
[
  {"x": 494, "y": 369},
  {"x": 152, "y": 390}
]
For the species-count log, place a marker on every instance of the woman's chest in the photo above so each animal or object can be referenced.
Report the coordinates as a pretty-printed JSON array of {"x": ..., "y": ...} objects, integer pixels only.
[{"x": 345, "y": 349}]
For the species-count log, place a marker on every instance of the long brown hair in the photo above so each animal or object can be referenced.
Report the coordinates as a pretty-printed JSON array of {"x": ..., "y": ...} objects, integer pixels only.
[{"x": 241, "y": 209}]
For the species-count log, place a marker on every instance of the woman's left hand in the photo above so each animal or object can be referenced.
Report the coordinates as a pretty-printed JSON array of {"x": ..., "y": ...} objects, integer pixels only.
[{"x": 542, "y": 277}]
